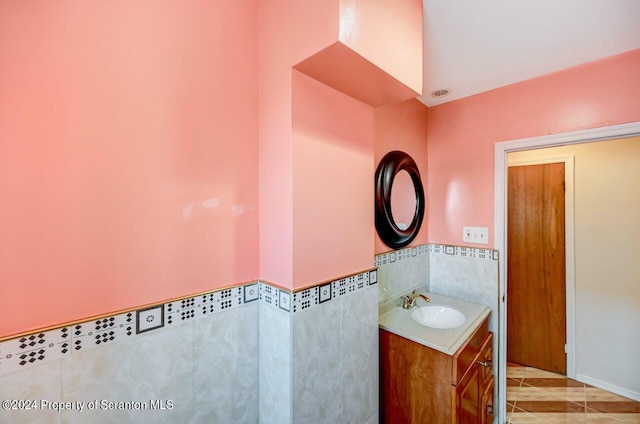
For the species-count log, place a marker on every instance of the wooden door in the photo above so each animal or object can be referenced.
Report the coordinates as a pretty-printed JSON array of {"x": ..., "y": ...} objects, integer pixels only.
[{"x": 536, "y": 278}]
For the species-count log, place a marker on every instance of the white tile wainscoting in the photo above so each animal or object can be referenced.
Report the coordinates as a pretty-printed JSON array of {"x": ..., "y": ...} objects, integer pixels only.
[
  {"x": 253, "y": 353},
  {"x": 247, "y": 354}
]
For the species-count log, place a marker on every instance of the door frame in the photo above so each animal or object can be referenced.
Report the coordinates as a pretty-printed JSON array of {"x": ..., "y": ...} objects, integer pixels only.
[
  {"x": 499, "y": 223},
  {"x": 569, "y": 251}
]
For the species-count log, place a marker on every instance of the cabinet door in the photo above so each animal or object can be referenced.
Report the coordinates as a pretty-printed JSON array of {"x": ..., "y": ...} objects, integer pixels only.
[
  {"x": 468, "y": 397},
  {"x": 474, "y": 395},
  {"x": 485, "y": 360},
  {"x": 486, "y": 405}
]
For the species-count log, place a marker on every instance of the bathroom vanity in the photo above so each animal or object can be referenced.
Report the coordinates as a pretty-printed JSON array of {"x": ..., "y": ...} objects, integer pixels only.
[{"x": 436, "y": 375}]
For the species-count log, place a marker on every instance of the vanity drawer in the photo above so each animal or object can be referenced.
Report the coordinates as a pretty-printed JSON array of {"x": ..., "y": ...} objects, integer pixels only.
[{"x": 464, "y": 357}]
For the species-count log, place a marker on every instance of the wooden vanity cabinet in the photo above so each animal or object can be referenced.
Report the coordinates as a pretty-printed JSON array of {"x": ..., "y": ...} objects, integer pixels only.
[
  {"x": 474, "y": 392},
  {"x": 422, "y": 385}
]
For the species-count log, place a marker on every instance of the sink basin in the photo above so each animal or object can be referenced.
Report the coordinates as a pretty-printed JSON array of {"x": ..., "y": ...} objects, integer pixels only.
[{"x": 438, "y": 316}]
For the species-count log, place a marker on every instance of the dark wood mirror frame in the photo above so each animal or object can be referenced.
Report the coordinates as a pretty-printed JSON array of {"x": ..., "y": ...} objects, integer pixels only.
[{"x": 389, "y": 232}]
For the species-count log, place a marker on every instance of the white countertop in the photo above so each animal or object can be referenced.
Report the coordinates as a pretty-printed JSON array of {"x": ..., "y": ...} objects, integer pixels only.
[{"x": 395, "y": 319}]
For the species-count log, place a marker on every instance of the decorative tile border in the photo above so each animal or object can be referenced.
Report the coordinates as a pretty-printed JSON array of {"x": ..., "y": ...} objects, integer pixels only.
[
  {"x": 425, "y": 249},
  {"x": 269, "y": 294},
  {"x": 314, "y": 296},
  {"x": 206, "y": 304},
  {"x": 401, "y": 254},
  {"x": 36, "y": 348},
  {"x": 469, "y": 252},
  {"x": 310, "y": 297},
  {"x": 39, "y": 347}
]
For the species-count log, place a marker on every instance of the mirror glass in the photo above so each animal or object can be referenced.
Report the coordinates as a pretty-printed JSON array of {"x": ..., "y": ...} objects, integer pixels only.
[{"x": 403, "y": 200}]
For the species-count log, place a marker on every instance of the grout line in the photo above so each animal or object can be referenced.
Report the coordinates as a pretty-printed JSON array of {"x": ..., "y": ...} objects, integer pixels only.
[
  {"x": 515, "y": 401},
  {"x": 586, "y": 411}
]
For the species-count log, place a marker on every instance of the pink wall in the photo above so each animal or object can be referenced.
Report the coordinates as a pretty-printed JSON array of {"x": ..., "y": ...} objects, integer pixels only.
[
  {"x": 128, "y": 154},
  {"x": 363, "y": 59},
  {"x": 462, "y": 133},
  {"x": 339, "y": 67},
  {"x": 289, "y": 32},
  {"x": 404, "y": 126},
  {"x": 332, "y": 188},
  {"x": 388, "y": 33},
  {"x": 316, "y": 144},
  {"x": 156, "y": 149}
]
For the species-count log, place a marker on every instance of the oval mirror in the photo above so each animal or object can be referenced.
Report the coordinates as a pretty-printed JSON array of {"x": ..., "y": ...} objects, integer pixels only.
[
  {"x": 403, "y": 199},
  {"x": 399, "y": 205}
]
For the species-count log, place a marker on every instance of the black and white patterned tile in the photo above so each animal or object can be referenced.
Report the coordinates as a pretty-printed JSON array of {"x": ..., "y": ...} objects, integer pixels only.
[
  {"x": 400, "y": 255},
  {"x": 425, "y": 249},
  {"x": 464, "y": 251},
  {"x": 33, "y": 349},
  {"x": 197, "y": 307},
  {"x": 325, "y": 292},
  {"x": 269, "y": 294},
  {"x": 39, "y": 347}
]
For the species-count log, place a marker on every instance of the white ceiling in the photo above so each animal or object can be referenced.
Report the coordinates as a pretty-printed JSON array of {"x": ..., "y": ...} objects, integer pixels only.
[{"x": 471, "y": 46}]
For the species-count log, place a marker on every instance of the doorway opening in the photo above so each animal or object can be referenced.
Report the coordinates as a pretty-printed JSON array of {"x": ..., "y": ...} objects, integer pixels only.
[{"x": 500, "y": 213}]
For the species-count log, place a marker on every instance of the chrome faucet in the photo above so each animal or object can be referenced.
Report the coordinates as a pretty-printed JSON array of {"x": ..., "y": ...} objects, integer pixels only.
[{"x": 409, "y": 301}]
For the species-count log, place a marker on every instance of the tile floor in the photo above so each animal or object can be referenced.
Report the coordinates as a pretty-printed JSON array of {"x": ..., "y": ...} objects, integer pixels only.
[{"x": 541, "y": 397}]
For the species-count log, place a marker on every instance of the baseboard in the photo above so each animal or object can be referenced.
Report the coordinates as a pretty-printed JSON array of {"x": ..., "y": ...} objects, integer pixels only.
[{"x": 608, "y": 387}]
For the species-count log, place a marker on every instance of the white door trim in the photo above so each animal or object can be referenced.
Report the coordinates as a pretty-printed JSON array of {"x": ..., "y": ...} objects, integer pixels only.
[{"x": 499, "y": 223}]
